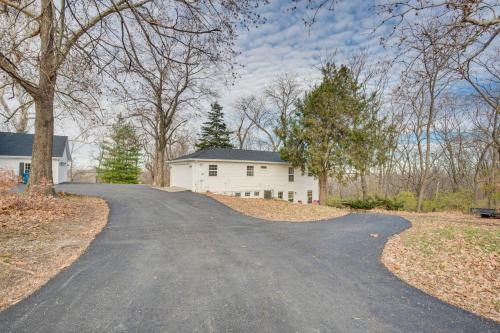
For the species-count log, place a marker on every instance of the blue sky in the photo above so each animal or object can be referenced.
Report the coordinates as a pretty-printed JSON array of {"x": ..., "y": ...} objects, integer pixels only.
[{"x": 285, "y": 44}]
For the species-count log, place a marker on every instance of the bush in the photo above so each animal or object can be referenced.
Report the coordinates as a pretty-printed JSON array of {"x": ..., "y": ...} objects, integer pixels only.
[
  {"x": 334, "y": 201},
  {"x": 407, "y": 199},
  {"x": 372, "y": 203},
  {"x": 360, "y": 204},
  {"x": 462, "y": 201},
  {"x": 389, "y": 204}
]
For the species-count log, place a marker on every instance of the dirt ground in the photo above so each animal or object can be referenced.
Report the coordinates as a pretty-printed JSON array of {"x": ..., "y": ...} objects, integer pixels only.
[
  {"x": 41, "y": 236},
  {"x": 453, "y": 256},
  {"x": 278, "y": 210}
]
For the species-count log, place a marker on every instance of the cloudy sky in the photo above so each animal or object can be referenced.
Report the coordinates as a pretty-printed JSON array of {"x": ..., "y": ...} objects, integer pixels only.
[{"x": 285, "y": 45}]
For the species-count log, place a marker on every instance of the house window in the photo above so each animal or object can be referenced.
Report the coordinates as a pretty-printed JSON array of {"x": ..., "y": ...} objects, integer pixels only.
[
  {"x": 309, "y": 174},
  {"x": 309, "y": 197},
  {"x": 256, "y": 194},
  {"x": 247, "y": 194},
  {"x": 249, "y": 170},
  {"x": 263, "y": 166},
  {"x": 237, "y": 194},
  {"x": 280, "y": 195},
  {"x": 212, "y": 170},
  {"x": 290, "y": 196},
  {"x": 27, "y": 167},
  {"x": 291, "y": 172}
]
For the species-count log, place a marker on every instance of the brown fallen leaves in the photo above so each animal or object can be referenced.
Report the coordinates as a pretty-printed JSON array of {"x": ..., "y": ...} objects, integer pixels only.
[
  {"x": 41, "y": 235},
  {"x": 454, "y": 257},
  {"x": 278, "y": 210}
]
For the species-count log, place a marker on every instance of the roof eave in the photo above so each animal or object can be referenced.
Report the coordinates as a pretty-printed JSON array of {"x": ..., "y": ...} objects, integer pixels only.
[{"x": 224, "y": 160}]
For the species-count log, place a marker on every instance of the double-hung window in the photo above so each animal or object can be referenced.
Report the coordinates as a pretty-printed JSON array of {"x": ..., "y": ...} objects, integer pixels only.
[
  {"x": 249, "y": 170},
  {"x": 212, "y": 170},
  {"x": 291, "y": 173},
  {"x": 280, "y": 195},
  {"x": 309, "y": 197},
  {"x": 290, "y": 196}
]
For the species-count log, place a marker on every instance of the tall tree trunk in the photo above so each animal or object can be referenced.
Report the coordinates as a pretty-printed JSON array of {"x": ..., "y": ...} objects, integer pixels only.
[
  {"x": 159, "y": 168},
  {"x": 41, "y": 171},
  {"x": 323, "y": 177},
  {"x": 364, "y": 186},
  {"x": 421, "y": 191},
  {"x": 492, "y": 181}
]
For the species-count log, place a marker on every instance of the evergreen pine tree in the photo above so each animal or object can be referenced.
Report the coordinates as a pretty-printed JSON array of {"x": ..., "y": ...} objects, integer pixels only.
[
  {"x": 214, "y": 132},
  {"x": 120, "y": 156}
]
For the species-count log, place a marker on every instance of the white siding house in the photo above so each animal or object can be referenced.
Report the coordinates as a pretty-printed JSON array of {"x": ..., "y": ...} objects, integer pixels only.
[
  {"x": 245, "y": 173},
  {"x": 16, "y": 149}
]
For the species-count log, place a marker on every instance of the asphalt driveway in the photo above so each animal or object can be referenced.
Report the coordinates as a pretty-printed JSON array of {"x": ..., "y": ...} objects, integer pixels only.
[{"x": 181, "y": 262}]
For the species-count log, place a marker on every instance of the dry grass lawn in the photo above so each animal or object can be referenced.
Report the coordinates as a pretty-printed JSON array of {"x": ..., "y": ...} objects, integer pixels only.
[
  {"x": 278, "y": 210},
  {"x": 41, "y": 236},
  {"x": 452, "y": 256}
]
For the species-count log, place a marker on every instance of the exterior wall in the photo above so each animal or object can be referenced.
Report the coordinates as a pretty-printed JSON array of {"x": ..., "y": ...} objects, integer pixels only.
[
  {"x": 62, "y": 167},
  {"x": 181, "y": 175},
  {"x": 59, "y": 173},
  {"x": 232, "y": 178}
]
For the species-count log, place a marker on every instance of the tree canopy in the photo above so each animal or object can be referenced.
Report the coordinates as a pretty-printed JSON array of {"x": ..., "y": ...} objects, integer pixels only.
[
  {"x": 335, "y": 128},
  {"x": 214, "y": 132},
  {"x": 120, "y": 156}
]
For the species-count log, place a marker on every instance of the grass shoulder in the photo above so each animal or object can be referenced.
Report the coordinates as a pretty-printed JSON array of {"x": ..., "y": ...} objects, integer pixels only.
[
  {"x": 453, "y": 256},
  {"x": 40, "y": 236}
]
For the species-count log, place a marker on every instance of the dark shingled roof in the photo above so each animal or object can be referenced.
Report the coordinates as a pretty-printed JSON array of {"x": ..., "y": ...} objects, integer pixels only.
[
  {"x": 233, "y": 154},
  {"x": 21, "y": 144}
]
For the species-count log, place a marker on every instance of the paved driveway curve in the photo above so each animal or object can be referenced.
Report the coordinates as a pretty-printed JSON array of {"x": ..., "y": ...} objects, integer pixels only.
[{"x": 181, "y": 262}]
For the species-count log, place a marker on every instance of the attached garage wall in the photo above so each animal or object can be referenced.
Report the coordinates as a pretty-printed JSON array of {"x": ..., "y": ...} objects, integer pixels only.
[{"x": 181, "y": 175}]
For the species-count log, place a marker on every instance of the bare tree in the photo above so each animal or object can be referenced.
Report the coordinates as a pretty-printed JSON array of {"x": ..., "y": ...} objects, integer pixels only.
[
  {"x": 57, "y": 33},
  {"x": 282, "y": 95},
  {"x": 242, "y": 127},
  {"x": 426, "y": 76},
  {"x": 15, "y": 107},
  {"x": 176, "y": 77},
  {"x": 270, "y": 113},
  {"x": 451, "y": 133}
]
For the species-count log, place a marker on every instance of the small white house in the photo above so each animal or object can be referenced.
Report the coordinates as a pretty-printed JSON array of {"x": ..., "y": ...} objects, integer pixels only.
[
  {"x": 16, "y": 150},
  {"x": 243, "y": 173}
]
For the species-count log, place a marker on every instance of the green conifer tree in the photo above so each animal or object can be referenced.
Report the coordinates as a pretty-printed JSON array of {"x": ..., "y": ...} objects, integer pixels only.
[
  {"x": 214, "y": 132},
  {"x": 320, "y": 134},
  {"x": 120, "y": 155}
]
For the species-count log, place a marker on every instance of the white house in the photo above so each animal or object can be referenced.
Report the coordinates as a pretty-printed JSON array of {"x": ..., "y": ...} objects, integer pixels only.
[
  {"x": 16, "y": 149},
  {"x": 243, "y": 173}
]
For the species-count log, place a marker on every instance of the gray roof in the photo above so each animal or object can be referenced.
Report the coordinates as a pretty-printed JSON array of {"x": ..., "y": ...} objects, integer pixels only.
[
  {"x": 233, "y": 154},
  {"x": 21, "y": 144}
]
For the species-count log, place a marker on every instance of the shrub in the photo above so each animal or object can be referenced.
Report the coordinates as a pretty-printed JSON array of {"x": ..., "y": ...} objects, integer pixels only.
[
  {"x": 407, "y": 199},
  {"x": 389, "y": 204},
  {"x": 462, "y": 201},
  {"x": 334, "y": 201},
  {"x": 360, "y": 203}
]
